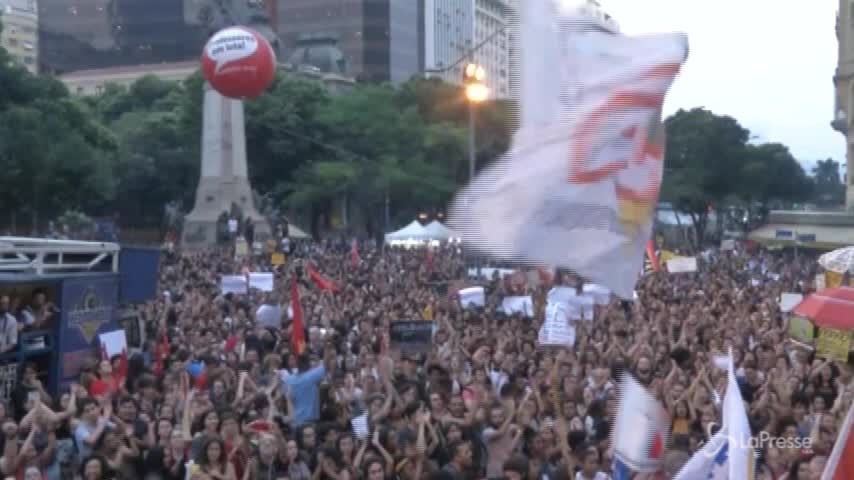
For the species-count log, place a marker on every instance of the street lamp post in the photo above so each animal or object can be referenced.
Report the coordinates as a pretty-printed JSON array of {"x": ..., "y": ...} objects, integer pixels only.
[{"x": 476, "y": 92}]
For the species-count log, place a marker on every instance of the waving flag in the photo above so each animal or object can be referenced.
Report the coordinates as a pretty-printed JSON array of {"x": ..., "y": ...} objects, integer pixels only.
[
  {"x": 651, "y": 263},
  {"x": 728, "y": 455},
  {"x": 297, "y": 327},
  {"x": 641, "y": 429},
  {"x": 840, "y": 465},
  {"x": 321, "y": 281},
  {"x": 579, "y": 187}
]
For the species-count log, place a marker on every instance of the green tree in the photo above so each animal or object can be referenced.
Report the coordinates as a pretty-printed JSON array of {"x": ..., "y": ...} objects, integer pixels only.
[
  {"x": 704, "y": 153},
  {"x": 710, "y": 164},
  {"x": 378, "y": 148},
  {"x": 829, "y": 188}
]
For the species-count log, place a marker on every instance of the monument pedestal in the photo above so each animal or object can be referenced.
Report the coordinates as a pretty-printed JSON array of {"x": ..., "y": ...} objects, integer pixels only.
[{"x": 223, "y": 181}]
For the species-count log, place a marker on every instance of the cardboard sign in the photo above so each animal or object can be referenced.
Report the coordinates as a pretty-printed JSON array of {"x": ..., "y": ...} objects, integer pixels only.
[
  {"x": 833, "y": 344},
  {"x": 522, "y": 305},
  {"x": 801, "y": 329},
  {"x": 411, "y": 337},
  {"x": 241, "y": 248},
  {"x": 261, "y": 281},
  {"x": 277, "y": 259},
  {"x": 682, "y": 265},
  {"x": 472, "y": 297},
  {"x": 236, "y": 284},
  {"x": 556, "y": 329},
  {"x": 788, "y": 301},
  {"x": 113, "y": 343}
]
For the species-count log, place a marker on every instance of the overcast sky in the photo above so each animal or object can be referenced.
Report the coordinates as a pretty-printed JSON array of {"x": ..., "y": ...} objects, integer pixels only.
[{"x": 768, "y": 63}]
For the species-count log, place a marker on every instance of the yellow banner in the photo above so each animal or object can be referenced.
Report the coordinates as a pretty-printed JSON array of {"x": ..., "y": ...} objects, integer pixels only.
[
  {"x": 801, "y": 329},
  {"x": 832, "y": 279},
  {"x": 833, "y": 344},
  {"x": 277, "y": 259},
  {"x": 241, "y": 248}
]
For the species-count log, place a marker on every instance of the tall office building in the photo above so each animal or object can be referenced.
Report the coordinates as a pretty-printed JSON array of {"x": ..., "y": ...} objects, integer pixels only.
[
  {"x": 381, "y": 40},
  {"x": 492, "y": 35},
  {"x": 448, "y": 37},
  {"x": 20, "y": 20},
  {"x": 477, "y": 29}
]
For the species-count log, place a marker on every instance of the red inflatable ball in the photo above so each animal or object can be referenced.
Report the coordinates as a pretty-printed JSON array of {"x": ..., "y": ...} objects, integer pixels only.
[{"x": 239, "y": 62}]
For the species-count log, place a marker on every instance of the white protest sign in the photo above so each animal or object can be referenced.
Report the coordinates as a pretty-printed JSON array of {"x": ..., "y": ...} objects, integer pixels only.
[
  {"x": 682, "y": 265},
  {"x": 261, "y": 281},
  {"x": 233, "y": 284},
  {"x": 523, "y": 305},
  {"x": 114, "y": 343},
  {"x": 581, "y": 307},
  {"x": 472, "y": 297},
  {"x": 488, "y": 273},
  {"x": 556, "y": 329},
  {"x": 601, "y": 295},
  {"x": 788, "y": 301},
  {"x": 727, "y": 244},
  {"x": 269, "y": 316},
  {"x": 229, "y": 45},
  {"x": 820, "y": 282}
]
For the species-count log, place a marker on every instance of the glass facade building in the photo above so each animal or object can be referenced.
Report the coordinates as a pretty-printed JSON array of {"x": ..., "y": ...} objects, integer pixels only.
[{"x": 381, "y": 40}]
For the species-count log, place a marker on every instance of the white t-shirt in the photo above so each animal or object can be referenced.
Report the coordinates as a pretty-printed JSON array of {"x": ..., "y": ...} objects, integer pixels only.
[{"x": 598, "y": 476}]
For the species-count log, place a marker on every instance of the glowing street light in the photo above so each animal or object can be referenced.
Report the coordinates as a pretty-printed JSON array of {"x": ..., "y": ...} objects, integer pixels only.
[{"x": 476, "y": 92}]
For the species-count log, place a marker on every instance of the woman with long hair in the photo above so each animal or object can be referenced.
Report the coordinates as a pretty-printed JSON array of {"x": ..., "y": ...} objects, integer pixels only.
[{"x": 213, "y": 461}]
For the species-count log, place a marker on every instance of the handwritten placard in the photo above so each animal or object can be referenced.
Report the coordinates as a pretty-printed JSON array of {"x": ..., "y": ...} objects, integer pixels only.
[{"x": 833, "y": 344}]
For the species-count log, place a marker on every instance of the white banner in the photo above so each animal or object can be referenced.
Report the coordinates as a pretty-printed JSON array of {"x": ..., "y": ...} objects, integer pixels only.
[
  {"x": 523, "y": 305},
  {"x": 233, "y": 284},
  {"x": 682, "y": 265},
  {"x": 789, "y": 301},
  {"x": 579, "y": 187},
  {"x": 261, "y": 281},
  {"x": 556, "y": 329},
  {"x": 472, "y": 297}
]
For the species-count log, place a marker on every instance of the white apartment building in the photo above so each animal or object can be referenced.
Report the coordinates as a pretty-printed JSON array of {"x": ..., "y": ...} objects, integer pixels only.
[
  {"x": 492, "y": 34},
  {"x": 20, "y": 35},
  {"x": 454, "y": 27},
  {"x": 448, "y": 36}
]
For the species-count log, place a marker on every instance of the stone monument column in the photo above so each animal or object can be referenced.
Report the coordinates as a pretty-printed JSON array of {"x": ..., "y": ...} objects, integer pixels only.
[{"x": 224, "y": 180}]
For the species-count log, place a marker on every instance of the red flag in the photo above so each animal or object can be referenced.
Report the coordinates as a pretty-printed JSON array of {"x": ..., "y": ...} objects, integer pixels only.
[
  {"x": 123, "y": 364},
  {"x": 653, "y": 258},
  {"x": 161, "y": 353},
  {"x": 840, "y": 465},
  {"x": 322, "y": 282},
  {"x": 297, "y": 329},
  {"x": 355, "y": 259},
  {"x": 429, "y": 259}
]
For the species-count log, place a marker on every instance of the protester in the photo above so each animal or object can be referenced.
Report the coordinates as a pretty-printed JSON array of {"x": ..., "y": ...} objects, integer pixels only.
[{"x": 218, "y": 396}]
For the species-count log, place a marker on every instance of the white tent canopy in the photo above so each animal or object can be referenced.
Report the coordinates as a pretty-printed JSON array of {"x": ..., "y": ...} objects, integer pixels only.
[
  {"x": 438, "y": 231},
  {"x": 414, "y": 232}
]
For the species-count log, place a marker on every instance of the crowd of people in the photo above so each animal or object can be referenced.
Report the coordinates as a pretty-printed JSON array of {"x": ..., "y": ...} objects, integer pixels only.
[{"x": 217, "y": 395}]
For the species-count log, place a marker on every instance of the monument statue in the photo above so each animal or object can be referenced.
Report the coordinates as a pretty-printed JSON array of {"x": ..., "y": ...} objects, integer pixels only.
[{"x": 224, "y": 180}]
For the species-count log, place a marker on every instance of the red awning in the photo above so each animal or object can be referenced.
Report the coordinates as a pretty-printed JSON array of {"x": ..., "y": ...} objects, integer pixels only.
[{"x": 832, "y": 307}]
